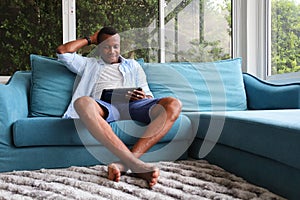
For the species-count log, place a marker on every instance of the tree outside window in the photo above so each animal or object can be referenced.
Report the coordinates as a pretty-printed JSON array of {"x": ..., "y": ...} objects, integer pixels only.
[{"x": 285, "y": 41}]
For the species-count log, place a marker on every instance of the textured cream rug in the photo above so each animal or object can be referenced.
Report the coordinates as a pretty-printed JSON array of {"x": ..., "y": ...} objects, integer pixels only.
[{"x": 178, "y": 180}]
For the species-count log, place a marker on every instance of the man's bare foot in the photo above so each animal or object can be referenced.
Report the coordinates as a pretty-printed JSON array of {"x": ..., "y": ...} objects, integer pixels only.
[
  {"x": 115, "y": 170},
  {"x": 150, "y": 174}
]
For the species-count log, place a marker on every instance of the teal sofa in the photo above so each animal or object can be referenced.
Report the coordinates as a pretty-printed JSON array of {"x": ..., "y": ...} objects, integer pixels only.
[{"x": 245, "y": 125}]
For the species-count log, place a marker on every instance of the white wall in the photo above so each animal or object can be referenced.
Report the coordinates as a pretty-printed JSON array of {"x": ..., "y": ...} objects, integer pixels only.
[{"x": 4, "y": 79}]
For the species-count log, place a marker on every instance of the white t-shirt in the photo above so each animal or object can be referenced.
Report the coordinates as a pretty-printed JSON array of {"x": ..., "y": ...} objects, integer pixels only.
[{"x": 110, "y": 77}]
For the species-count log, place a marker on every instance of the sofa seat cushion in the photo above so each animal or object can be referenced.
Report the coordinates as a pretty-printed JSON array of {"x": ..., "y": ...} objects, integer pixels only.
[
  {"x": 50, "y": 131},
  {"x": 274, "y": 134}
]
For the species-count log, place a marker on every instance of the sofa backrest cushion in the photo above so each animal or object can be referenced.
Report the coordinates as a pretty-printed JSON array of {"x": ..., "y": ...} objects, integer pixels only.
[
  {"x": 51, "y": 87},
  {"x": 210, "y": 86}
]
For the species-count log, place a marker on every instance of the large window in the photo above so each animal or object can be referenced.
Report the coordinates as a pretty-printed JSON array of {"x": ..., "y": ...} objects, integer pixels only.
[
  {"x": 194, "y": 30},
  {"x": 285, "y": 36},
  {"x": 156, "y": 30}
]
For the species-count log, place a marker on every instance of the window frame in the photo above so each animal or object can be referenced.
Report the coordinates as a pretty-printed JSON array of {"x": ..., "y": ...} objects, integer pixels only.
[
  {"x": 250, "y": 35},
  {"x": 69, "y": 20},
  {"x": 252, "y": 39}
]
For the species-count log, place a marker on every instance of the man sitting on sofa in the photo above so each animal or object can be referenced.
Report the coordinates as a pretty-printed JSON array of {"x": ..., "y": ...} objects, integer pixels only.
[{"x": 109, "y": 71}]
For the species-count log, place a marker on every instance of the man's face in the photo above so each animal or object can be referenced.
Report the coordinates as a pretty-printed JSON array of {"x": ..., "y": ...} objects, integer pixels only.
[{"x": 110, "y": 48}]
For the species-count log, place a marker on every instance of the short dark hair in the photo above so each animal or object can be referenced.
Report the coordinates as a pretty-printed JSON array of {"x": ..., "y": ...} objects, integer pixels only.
[{"x": 107, "y": 30}]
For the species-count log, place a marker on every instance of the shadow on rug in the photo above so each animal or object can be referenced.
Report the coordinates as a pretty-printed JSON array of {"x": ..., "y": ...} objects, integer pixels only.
[{"x": 178, "y": 180}]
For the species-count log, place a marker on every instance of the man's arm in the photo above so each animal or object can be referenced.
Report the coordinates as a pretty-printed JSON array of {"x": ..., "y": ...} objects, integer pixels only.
[{"x": 75, "y": 45}]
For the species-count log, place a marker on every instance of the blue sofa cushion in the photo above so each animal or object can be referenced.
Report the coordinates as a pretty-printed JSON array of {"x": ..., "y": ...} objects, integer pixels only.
[
  {"x": 274, "y": 134},
  {"x": 51, "y": 87},
  {"x": 47, "y": 131},
  {"x": 210, "y": 86},
  {"x": 54, "y": 131}
]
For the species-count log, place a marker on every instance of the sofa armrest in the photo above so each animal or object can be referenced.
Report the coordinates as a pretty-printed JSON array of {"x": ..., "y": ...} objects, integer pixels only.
[
  {"x": 264, "y": 95},
  {"x": 14, "y": 97}
]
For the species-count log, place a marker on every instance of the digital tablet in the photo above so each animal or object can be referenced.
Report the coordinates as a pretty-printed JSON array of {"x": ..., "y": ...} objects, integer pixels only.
[{"x": 116, "y": 94}]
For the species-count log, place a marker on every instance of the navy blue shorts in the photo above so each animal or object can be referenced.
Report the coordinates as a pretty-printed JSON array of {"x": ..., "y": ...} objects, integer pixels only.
[{"x": 136, "y": 110}]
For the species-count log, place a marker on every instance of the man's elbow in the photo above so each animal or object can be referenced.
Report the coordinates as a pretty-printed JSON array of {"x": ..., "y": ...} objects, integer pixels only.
[{"x": 61, "y": 49}]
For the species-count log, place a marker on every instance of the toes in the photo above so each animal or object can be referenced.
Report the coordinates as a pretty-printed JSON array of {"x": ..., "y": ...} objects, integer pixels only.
[
  {"x": 114, "y": 173},
  {"x": 152, "y": 182},
  {"x": 151, "y": 177},
  {"x": 156, "y": 173},
  {"x": 154, "y": 178},
  {"x": 117, "y": 174}
]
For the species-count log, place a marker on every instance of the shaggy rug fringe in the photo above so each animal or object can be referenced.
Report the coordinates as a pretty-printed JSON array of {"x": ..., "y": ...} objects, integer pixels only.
[{"x": 185, "y": 180}]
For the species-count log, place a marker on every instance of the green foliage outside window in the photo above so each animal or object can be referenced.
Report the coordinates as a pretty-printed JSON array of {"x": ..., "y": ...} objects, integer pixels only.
[
  {"x": 28, "y": 27},
  {"x": 285, "y": 47}
]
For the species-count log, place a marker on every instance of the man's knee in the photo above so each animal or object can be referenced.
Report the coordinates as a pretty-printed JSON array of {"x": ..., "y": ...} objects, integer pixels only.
[
  {"x": 87, "y": 106},
  {"x": 172, "y": 107},
  {"x": 84, "y": 104}
]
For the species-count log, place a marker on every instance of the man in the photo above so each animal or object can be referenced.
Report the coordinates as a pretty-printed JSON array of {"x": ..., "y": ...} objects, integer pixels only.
[{"x": 111, "y": 70}]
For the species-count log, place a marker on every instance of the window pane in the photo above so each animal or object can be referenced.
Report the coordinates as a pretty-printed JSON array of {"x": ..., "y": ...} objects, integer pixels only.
[
  {"x": 135, "y": 20},
  {"x": 195, "y": 30},
  {"x": 285, "y": 33},
  {"x": 198, "y": 30},
  {"x": 28, "y": 27}
]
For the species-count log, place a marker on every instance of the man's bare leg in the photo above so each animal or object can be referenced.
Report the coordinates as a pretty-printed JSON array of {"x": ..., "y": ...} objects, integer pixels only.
[
  {"x": 91, "y": 115},
  {"x": 164, "y": 115}
]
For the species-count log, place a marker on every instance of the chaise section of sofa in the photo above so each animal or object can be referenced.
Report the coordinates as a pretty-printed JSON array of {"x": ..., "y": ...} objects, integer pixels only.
[{"x": 261, "y": 144}]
